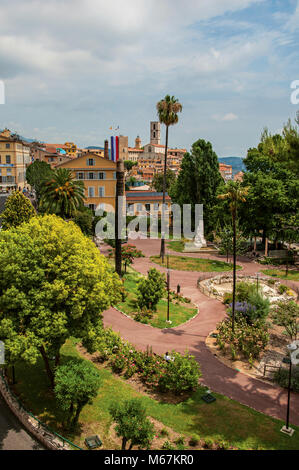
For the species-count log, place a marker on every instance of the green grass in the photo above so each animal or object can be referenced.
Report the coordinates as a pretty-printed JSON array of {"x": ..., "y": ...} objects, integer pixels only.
[
  {"x": 186, "y": 263},
  {"x": 176, "y": 245},
  {"x": 224, "y": 419},
  {"x": 178, "y": 313},
  {"x": 281, "y": 274}
]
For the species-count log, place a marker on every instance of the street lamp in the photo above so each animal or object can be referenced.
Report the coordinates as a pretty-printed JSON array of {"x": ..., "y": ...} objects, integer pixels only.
[
  {"x": 294, "y": 351},
  {"x": 168, "y": 289}
]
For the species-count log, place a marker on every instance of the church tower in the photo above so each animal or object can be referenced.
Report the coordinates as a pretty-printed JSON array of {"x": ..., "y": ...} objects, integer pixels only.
[
  {"x": 155, "y": 133},
  {"x": 138, "y": 143}
]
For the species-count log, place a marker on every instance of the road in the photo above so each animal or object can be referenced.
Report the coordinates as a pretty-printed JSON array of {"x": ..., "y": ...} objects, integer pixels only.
[{"x": 12, "y": 434}]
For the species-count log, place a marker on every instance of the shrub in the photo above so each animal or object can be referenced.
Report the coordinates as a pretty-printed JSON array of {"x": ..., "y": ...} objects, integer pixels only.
[
  {"x": 194, "y": 441},
  {"x": 282, "y": 289},
  {"x": 286, "y": 314},
  {"x": 227, "y": 298},
  {"x": 132, "y": 423},
  {"x": 164, "y": 432},
  {"x": 208, "y": 443},
  {"x": 151, "y": 289},
  {"x": 181, "y": 374},
  {"x": 180, "y": 441},
  {"x": 248, "y": 340},
  {"x": 281, "y": 377},
  {"x": 244, "y": 290},
  {"x": 167, "y": 446},
  {"x": 76, "y": 384},
  {"x": 256, "y": 308}
]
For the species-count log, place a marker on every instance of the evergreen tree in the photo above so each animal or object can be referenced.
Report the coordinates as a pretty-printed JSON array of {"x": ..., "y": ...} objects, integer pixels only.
[{"x": 198, "y": 181}]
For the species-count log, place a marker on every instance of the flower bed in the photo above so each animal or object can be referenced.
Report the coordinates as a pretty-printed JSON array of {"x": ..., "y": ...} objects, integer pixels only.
[{"x": 179, "y": 375}]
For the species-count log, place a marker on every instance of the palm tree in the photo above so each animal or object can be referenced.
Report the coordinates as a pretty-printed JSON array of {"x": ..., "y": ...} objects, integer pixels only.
[
  {"x": 168, "y": 109},
  {"x": 235, "y": 194},
  {"x": 62, "y": 194}
]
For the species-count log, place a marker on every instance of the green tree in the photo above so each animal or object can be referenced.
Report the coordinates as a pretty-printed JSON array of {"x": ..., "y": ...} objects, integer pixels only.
[
  {"x": 53, "y": 284},
  {"x": 158, "y": 178},
  {"x": 129, "y": 164},
  {"x": 226, "y": 241},
  {"x": 84, "y": 219},
  {"x": 132, "y": 423},
  {"x": 36, "y": 175},
  {"x": 18, "y": 209},
  {"x": 235, "y": 194},
  {"x": 151, "y": 289},
  {"x": 62, "y": 194},
  {"x": 286, "y": 314},
  {"x": 198, "y": 181},
  {"x": 76, "y": 384},
  {"x": 168, "y": 109}
]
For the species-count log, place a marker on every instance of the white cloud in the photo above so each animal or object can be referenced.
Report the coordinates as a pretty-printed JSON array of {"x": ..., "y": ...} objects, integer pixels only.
[{"x": 225, "y": 117}]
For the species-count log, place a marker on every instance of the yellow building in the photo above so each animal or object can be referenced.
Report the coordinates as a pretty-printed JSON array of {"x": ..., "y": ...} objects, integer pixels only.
[
  {"x": 99, "y": 177},
  {"x": 71, "y": 149},
  {"x": 14, "y": 159}
]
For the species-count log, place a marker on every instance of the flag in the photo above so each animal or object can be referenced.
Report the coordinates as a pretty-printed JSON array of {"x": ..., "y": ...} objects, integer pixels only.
[{"x": 116, "y": 148}]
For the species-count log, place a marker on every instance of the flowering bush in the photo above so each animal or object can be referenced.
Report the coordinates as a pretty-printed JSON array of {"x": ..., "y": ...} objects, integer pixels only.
[
  {"x": 248, "y": 340},
  {"x": 179, "y": 375}
]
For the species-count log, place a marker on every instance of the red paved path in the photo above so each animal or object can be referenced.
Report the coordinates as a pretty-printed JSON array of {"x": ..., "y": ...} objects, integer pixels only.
[{"x": 267, "y": 398}]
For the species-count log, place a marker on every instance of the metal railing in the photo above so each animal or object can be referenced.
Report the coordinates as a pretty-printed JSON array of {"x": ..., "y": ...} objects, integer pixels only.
[{"x": 40, "y": 424}]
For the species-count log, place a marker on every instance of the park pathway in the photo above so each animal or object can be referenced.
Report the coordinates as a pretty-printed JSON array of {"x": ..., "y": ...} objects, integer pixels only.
[{"x": 261, "y": 396}]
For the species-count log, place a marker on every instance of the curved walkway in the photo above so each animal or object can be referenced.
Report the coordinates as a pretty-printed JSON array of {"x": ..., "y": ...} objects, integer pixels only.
[{"x": 263, "y": 397}]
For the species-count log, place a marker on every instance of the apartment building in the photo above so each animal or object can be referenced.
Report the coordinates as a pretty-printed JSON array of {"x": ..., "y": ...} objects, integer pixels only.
[
  {"x": 226, "y": 171},
  {"x": 14, "y": 159},
  {"x": 145, "y": 202},
  {"x": 99, "y": 177}
]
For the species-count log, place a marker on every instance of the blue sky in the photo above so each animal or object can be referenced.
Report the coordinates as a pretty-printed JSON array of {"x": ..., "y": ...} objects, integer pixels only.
[{"x": 73, "y": 68}]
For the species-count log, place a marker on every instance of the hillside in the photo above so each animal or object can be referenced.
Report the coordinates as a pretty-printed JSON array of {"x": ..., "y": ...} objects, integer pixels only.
[{"x": 235, "y": 162}]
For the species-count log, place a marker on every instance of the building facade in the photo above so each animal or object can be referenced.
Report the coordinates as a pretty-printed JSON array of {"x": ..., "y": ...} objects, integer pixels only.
[
  {"x": 146, "y": 203},
  {"x": 99, "y": 177},
  {"x": 14, "y": 159}
]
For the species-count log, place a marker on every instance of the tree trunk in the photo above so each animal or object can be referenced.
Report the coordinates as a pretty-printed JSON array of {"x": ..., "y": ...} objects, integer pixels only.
[
  {"x": 57, "y": 359},
  {"x": 47, "y": 365},
  {"x": 266, "y": 246},
  {"x": 162, "y": 252},
  {"x": 123, "y": 445},
  {"x": 254, "y": 246},
  {"x": 234, "y": 272}
]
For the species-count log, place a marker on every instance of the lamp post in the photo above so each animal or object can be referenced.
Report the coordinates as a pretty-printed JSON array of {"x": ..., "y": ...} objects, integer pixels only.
[
  {"x": 168, "y": 289},
  {"x": 257, "y": 281},
  {"x": 293, "y": 348}
]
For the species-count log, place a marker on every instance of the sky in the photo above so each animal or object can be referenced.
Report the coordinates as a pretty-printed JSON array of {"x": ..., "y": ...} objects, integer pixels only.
[{"x": 73, "y": 68}]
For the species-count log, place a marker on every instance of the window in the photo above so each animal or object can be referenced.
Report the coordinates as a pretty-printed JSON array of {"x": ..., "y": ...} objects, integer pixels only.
[
  {"x": 90, "y": 162},
  {"x": 102, "y": 175},
  {"x": 139, "y": 206},
  {"x": 101, "y": 191},
  {"x": 92, "y": 207},
  {"x": 130, "y": 208},
  {"x": 7, "y": 158},
  {"x": 147, "y": 207},
  {"x": 7, "y": 146},
  {"x": 114, "y": 175},
  {"x": 91, "y": 191},
  {"x": 80, "y": 176},
  {"x": 91, "y": 176},
  {"x": 156, "y": 206}
]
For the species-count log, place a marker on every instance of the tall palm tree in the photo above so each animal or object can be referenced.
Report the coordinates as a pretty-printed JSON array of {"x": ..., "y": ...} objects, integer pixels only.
[
  {"x": 62, "y": 194},
  {"x": 235, "y": 194},
  {"x": 168, "y": 109}
]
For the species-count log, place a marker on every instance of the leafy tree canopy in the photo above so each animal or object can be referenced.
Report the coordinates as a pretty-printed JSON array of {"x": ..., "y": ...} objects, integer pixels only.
[
  {"x": 36, "y": 174},
  {"x": 157, "y": 182},
  {"x": 18, "y": 209},
  {"x": 53, "y": 284}
]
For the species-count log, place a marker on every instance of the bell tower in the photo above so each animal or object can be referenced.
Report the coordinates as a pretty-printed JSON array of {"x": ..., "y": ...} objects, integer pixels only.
[{"x": 155, "y": 133}]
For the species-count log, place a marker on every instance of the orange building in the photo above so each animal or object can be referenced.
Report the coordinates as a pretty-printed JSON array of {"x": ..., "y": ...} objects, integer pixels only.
[{"x": 99, "y": 177}]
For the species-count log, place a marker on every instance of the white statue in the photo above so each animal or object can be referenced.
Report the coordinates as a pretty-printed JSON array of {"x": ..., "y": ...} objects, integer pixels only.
[{"x": 199, "y": 240}]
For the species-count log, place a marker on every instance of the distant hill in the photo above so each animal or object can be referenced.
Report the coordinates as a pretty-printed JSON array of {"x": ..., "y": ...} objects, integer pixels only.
[{"x": 236, "y": 163}]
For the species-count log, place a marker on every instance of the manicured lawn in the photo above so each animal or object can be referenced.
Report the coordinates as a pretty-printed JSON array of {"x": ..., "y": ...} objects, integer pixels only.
[
  {"x": 224, "y": 419},
  {"x": 179, "y": 313},
  {"x": 281, "y": 274},
  {"x": 186, "y": 263},
  {"x": 176, "y": 245}
]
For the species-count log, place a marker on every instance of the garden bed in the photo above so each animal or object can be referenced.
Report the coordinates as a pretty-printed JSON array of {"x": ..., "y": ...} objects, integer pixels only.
[
  {"x": 180, "y": 311},
  {"x": 186, "y": 263}
]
